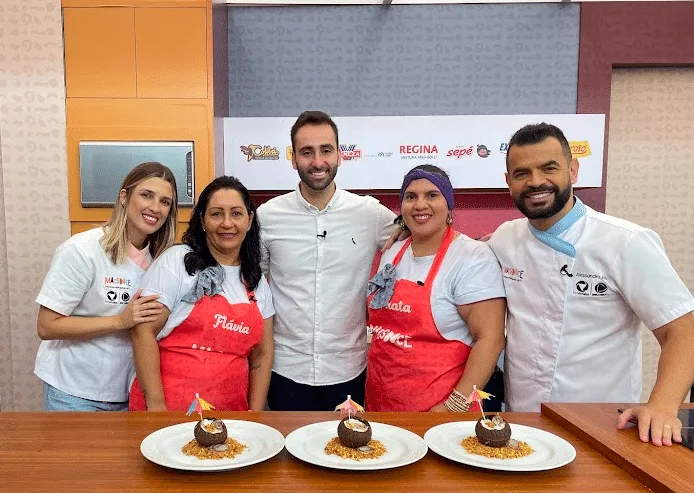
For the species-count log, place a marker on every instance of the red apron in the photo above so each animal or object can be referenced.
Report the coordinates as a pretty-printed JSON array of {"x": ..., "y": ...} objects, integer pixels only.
[
  {"x": 208, "y": 354},
  {"x": 410, "y": 366}
]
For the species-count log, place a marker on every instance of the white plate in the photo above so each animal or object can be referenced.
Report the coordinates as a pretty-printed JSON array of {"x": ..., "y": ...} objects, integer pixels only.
[
  {"x": 402, "y": 447},
  {"x": 550, "y": 450},
  {"x": 163, "y": 446}
]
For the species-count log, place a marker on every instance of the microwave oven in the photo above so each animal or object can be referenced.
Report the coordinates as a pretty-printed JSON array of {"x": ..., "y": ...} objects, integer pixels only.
[{"x": 104, "y": 165}]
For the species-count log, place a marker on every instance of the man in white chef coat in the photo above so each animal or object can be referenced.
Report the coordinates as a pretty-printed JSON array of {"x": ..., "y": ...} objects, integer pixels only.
[{"x": 578, "y": 284}]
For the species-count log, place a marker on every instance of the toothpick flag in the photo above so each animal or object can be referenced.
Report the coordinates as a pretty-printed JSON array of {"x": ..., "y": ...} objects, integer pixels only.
[
  {"x": 348, "y": 407},
  {"x": 199, "y": 405},
  {"x": 477, "y": 396}
]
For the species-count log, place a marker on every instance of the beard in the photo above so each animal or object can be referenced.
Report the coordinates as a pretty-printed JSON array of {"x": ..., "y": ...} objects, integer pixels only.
[
  {"x": 561, "y": 197},
  {"x": 317, "y": 185}
]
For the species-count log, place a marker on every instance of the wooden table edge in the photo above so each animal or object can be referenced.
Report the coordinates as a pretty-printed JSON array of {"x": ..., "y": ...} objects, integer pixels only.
[{"x": 616, "y": 458}]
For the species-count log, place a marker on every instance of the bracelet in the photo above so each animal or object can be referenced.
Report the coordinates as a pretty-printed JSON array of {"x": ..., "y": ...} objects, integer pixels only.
[{"x": 456, "y": 403}]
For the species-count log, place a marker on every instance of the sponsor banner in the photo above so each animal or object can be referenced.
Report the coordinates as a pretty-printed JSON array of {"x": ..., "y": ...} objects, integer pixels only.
[{"x": 378, "y": 151}]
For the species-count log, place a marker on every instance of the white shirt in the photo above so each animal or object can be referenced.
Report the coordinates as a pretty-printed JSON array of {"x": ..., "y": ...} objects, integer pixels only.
[
  {"x": 469, "y": 273},
  {"x": 83, "y": 281},
  {"x": 318, "y": 282},
  {"x": 168, "y": 278},
  {"x": 578, "y": 338}
]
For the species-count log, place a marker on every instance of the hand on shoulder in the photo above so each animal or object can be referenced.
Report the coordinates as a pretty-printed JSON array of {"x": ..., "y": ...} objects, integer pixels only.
[{"x": 141, "y": 309}]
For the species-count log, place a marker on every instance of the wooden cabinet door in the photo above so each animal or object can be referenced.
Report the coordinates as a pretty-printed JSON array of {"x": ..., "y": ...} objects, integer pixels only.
[
  {"x": 100, "y": 52},
  {"x": 171, "y": 47}
]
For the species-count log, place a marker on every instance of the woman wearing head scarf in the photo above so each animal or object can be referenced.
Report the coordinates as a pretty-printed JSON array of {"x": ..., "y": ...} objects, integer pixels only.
[
  {"x": 436, "y": 307},
  {"x": 90, "y": 299},
  {"x": 215, "y": 335}
]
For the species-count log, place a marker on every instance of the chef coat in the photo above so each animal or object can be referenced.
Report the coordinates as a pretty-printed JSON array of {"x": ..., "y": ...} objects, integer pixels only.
[{"x": 577, "y": 295}]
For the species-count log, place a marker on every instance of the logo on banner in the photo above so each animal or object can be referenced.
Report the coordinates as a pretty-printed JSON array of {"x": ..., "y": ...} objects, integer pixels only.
[
  {"x": 459, "y": 151},
  {"x": 290, "y": 153},
  {"x": 418, "y": 151},
  {"x": 260, "y": 153},
  {"x": 350, "y": 152},
  {"x": 482, "y": 151},
  {"x": 385, "y": 154},
  {"x": 580, "y": 148}
]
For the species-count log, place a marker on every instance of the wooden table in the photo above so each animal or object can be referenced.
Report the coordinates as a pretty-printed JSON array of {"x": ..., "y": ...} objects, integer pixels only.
[
  {"x": 100, "y": 452},
  {"x": 661, "y": 468}
]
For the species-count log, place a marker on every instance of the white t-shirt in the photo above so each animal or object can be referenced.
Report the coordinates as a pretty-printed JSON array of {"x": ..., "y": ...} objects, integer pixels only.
[
  {"x": 83, "y": 281},
  {"x": 574, "y": 324},
  {"x": 168, "y": 278},
  {"x": 319, "y": 263},
  {"x": 469, "y": 273}
]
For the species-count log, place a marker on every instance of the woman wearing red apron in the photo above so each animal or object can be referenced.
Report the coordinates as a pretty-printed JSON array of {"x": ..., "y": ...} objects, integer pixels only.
[
  {"x": 215, "y": 337},
  {"x": 436, "y": 307}
]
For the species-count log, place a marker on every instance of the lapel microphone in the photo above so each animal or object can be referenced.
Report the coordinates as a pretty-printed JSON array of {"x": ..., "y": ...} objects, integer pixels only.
[
  {"x": 325, "y": 233},
  {"x": 564, "y": 271}
]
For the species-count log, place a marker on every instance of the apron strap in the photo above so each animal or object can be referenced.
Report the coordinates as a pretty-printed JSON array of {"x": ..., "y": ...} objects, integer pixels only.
[
  {"x": 402, "y": 251},
  {"x": 440, "y": 254}
]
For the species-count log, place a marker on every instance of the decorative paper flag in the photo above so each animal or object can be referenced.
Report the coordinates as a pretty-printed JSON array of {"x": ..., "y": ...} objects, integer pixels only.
[
  {"x": 477, "y": 396},
  {"x": 199, "y": 405},
  {"x": 348, "y": 407}
]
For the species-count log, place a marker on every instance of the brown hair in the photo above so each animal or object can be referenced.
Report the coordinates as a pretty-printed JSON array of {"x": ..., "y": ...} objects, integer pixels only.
[
  {"x": 115, "y": 241},
  {"x": 312, "y": 118}
]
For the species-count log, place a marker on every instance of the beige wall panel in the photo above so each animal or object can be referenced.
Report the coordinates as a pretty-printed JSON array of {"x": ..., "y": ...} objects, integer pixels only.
[
  {"x": 649, "y": 169},
  {"x": 33, "y": 189}
]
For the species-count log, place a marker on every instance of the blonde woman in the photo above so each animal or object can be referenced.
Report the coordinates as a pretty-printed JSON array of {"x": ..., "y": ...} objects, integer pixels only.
[{"x": 90, "y": 298}]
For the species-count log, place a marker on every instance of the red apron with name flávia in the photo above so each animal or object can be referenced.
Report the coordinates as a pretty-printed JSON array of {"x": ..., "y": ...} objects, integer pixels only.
[{"x": 208, "y": 354}]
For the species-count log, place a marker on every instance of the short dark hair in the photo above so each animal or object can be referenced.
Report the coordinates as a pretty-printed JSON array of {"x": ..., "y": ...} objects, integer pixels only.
[
  {"x": 536, "y": 133},
  {"x": 312, "y": 117},
  {"x": 195, "y": 237}
]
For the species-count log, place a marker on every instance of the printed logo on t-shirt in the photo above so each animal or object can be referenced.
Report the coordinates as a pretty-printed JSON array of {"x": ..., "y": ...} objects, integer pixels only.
[
  {"x": 117, "y": 290},
  {"x": 221, "y": 321},
  {"x": 399, "y": 307},
  {"x": 117, "y": 282},
  {"x": 387, "y": 335},
  {"x": 513, "y": 273}
]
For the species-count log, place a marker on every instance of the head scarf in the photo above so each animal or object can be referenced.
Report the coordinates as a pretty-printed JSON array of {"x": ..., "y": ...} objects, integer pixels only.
[{"x": 441, "y": 182}]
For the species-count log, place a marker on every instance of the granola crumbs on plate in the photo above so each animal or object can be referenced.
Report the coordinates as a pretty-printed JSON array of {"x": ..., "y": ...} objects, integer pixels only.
[
  {"x": 192, "y": 448},
  {"x": 335, "y": 447},
  {"x": 473, "y": 446}
]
